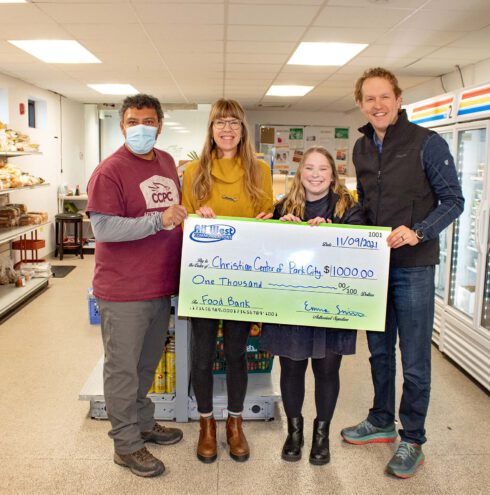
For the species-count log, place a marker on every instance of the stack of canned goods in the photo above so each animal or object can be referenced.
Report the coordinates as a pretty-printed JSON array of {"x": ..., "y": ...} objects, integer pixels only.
[{"x": 164, "y": 381}]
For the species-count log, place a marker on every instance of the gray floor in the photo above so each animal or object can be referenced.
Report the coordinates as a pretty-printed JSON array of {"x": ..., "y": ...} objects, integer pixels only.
[{"x": 50, "y": 446}]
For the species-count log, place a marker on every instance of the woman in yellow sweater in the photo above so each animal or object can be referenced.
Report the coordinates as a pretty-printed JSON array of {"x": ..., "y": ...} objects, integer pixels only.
[{"x": 227, "y": 180}]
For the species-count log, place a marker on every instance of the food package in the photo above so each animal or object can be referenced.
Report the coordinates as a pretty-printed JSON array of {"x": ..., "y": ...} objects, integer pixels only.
[
  {"x": 21, "y": 207},
  {"x": 7, "y": 273},
  {"x": 37, "y": 270},
  {"x": 42, "y": 214},
  {"x": 11, "y": 140},
  {"x": 30, "y": 219}
]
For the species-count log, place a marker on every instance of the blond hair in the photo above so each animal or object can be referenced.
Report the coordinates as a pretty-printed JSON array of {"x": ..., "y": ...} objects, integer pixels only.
[
  {"x": 294, "y": 202},
  {"x": 376, "y": 72},
  {"x": 203, "y": 180}
]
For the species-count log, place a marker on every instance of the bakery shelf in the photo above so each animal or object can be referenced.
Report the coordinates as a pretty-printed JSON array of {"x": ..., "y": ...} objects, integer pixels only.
[
  {"x": 14, "y": 189},
  {"x": 12, "y": 297},
  {"x": 8, "y": 154},
  {"x": 8, "y": 234}
]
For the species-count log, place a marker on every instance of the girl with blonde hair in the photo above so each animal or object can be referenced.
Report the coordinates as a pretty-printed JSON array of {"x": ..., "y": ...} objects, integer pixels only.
[
  {"x": 226, "y": 180},
  {"x": 316, "y": 197}
]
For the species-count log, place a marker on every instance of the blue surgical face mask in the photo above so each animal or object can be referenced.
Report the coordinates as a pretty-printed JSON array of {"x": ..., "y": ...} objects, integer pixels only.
[{"x": 141, "y": 138}]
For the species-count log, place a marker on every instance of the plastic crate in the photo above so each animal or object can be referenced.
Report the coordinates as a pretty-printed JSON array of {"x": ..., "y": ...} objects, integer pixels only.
[
  {"x": 257, "y": 361},
  {"x": 93, "y": 309}
]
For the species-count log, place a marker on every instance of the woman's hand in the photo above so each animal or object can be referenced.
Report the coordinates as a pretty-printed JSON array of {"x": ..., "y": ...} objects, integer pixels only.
[
  {"x": 316, "y": 221},
  {"x": 290, "y": 218},
  {"x": 264, "y": 216},
  {"x": 206, "y": 212}
]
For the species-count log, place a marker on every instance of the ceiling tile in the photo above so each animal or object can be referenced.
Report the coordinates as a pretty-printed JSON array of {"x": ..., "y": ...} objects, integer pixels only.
[
  {"x": 271, "y": 15},
  {"x": 81, "y": 13},
  {"x": 181, "y": 13},
  {"x": 354, "y": 17},
  {"x": 259, "y": 33}
]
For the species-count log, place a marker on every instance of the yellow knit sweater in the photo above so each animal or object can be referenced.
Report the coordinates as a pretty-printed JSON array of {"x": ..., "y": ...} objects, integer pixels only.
[{"x": 228, "y": 195}]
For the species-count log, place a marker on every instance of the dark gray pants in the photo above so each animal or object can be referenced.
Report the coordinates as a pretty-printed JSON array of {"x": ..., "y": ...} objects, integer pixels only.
[{"x": 134, "y": 334}]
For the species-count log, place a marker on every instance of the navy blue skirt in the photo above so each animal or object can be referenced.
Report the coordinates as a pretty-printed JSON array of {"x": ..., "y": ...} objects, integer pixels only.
[{"x": 300, "y": 342}]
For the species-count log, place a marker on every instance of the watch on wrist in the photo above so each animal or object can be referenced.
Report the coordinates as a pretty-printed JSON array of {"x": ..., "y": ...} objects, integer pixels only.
[{"x": 420, "y": 234}]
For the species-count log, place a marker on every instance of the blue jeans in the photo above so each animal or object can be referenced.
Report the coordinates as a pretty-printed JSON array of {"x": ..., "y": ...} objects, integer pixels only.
[{"x": 410, "y": 310}]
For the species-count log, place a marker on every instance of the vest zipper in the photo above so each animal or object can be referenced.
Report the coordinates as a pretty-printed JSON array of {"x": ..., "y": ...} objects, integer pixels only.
[{"x": 378, "y": 183}]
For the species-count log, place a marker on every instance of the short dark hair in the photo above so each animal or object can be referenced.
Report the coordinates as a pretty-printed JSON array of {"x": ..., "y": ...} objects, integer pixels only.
[
  {"x": 140, "y": 101},
  {"x": 376, "y": 72}
]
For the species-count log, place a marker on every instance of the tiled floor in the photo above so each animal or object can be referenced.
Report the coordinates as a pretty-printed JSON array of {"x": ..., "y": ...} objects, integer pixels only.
[{"x": 49, "y": 445}]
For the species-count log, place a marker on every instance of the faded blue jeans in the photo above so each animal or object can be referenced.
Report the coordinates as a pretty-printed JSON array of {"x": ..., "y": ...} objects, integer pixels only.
[{"x": 410, "y": 314}]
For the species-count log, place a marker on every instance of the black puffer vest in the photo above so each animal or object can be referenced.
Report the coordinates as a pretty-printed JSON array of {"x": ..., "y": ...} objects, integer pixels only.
[{"x": 396, "y": 189}]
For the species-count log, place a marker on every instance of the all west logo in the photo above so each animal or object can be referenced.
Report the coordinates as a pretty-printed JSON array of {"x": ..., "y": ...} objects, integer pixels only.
[
  {"x": 159, "y": 192},
  {"x": 212, "y": 233}
]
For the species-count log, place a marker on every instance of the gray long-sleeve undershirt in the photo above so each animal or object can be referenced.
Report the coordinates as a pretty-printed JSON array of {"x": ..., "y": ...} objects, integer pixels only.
[{"x": 111, "y": 228}]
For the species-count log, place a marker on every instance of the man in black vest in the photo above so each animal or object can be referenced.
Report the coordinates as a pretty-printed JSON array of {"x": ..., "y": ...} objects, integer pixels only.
[{"x": 407, "y": 180}]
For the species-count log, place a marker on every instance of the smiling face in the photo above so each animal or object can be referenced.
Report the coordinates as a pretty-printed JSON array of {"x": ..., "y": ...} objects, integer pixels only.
[
  {"x": 379, "y": 104},
  {"x": 227, "y": 132},
  {"x": 316, "y": 176}
]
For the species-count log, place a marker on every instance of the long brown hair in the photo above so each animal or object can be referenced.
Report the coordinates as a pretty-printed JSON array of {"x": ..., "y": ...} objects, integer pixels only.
[
  {"x": 203, "y": 180},
  {"x": 294, "y": 202}
]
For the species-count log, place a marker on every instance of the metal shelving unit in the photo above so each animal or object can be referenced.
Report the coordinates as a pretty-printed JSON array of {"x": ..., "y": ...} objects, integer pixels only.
[
  {"x": 12, "y": 297},
  {"x": 181, "y": 406}
]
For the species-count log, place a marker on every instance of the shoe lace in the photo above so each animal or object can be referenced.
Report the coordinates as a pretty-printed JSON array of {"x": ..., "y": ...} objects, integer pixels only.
[
  {"x": 159, "y": 429},
  {"x": 366, "y": 425},
  {"x": 405, "y": 451},
  {"x": 143, "y": 455}
]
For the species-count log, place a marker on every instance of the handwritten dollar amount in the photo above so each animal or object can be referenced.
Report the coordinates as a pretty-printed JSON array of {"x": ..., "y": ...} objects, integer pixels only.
[{"x": 348, "y": 271}]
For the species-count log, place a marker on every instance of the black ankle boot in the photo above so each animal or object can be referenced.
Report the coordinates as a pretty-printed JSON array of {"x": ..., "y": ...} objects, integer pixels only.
[
  {"x": 320, "y": 451},
  {"x": 291, "y": 450}
]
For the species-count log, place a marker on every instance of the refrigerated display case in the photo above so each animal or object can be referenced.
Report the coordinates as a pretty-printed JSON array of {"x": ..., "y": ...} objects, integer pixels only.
[{"x": 462, "y": 313}]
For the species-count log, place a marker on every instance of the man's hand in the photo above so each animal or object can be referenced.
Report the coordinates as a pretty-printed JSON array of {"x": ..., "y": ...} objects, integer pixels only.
[
  {"x": 206, "y": 212},
  {"x": 402, "y": 236},
  {"x": 173, "y": 216}
]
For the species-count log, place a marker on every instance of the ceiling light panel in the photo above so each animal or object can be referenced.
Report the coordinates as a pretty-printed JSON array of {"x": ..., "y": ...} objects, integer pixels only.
[
  {"x": 288, "y": 90},
  {"x": 57, "y": 51},
  {"x": 114, "y": 89},
  {"x": 336, "y": 54}
]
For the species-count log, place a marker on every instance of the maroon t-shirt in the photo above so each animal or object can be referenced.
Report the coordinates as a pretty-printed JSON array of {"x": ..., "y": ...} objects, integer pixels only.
[{"x": 127, "y": 186}]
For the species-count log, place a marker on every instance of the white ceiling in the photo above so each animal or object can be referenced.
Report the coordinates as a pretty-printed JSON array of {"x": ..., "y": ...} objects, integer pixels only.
[{"x": 195, "y": 51}]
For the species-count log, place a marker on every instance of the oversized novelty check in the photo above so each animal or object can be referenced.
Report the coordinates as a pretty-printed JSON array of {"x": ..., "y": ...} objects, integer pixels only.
[{"x": 272, "y": 271}]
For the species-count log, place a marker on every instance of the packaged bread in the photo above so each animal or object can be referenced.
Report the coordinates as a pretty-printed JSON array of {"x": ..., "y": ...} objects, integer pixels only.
[
  {"x": 30, "y": 219},
  {"x": 9, "y": 212},
  {"x": 8, "y": 222},
  {"x": 21, "y": 207},
  {"x": 42, "y": 214}
]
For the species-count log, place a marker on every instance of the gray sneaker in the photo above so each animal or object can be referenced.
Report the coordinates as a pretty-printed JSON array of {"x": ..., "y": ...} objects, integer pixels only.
[
  {"x": 406, "y": 460},
  {"x": 141, "y": 463},
  {"x": 162, "y": 435},
  {"x": 365, "y": 432}
]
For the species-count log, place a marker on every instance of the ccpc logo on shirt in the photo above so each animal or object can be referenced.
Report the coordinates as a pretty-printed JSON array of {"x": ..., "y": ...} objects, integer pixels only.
[{"x": 212, "y": 233}]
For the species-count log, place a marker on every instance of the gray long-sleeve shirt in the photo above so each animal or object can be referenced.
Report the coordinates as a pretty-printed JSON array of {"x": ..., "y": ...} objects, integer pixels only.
[{"x": 111, "y": 228}]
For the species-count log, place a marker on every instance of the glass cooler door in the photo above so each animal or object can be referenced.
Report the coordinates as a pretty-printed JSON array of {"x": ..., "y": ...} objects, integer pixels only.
[
  {"x": 464, "y": 260},
  {"x": 440, "y": 273}
]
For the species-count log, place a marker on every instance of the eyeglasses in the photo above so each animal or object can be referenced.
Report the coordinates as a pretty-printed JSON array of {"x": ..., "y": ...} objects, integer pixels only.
[{"x": 221, "y": 124}]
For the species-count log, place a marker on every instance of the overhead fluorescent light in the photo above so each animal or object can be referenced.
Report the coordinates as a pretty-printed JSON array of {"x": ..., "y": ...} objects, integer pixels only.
[
  {"x": 57, "y": 51},
  {"x": 114, "y": 89},
  {"x": 170, "y": 123},
  {"x": 285, "y": 90},
  {"x": 309, "y": 53}
]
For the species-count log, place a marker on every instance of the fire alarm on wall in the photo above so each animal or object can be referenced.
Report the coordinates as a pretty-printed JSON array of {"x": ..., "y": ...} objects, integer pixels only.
[{"x": 22, "y": 108}]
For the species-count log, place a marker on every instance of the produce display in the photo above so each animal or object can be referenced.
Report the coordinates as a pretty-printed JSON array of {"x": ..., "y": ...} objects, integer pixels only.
[{"x": 11, "y": 140}]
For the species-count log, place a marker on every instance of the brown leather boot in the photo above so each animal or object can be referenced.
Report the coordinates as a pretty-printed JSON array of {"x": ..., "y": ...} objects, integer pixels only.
[
  {"x": 239, "y": 450},
  {"x": 207, "y": 448}
]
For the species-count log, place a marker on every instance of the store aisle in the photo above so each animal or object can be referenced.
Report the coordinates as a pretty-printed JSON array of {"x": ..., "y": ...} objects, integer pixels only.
[{"x": 50, "y": 446}]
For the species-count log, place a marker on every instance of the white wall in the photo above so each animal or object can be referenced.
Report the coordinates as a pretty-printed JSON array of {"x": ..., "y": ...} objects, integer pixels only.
[
  {"x": 92, "y": 149},
  {"x": 49, "y": 137},
  {"x": 473, "y": 75}
]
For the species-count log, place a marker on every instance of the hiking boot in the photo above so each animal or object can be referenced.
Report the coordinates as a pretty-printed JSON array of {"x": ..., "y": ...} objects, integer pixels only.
[
  {"x": 365, "y": 432},
  {"x": 141, "y": 463},
  {"x": 406, "y": 460},
  {"x": 162, "y": 435}
]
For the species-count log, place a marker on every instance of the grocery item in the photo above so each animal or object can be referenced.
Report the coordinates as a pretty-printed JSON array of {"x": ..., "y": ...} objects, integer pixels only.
[{"x": 11, "y": 140}]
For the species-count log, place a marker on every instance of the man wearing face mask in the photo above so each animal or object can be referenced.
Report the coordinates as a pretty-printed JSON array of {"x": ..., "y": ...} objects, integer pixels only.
[{"x": 133, "y": 204}]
